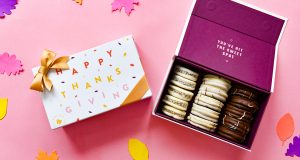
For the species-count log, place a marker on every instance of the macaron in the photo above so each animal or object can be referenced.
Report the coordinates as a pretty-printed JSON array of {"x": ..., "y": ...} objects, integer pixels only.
[
  {"x": 180, "y": 93},
  {"x": 238, "y": 113},
  {"x": 205, "y": 113},
  {"x": 245, "y": 92},
  {"x": 213, "y": 89},
  {"x": 183, "y": 82},
  {"x": 235, "y": 124},
  {"x": 209, "y": 100},
  {"x": 205, "y": 104},
  {"x": 202, "y": 123},
  {"x": 223, "y": 86},
  {"x": 211, "y": 76},
  {"x": 175, "y": 102},
  {"x": 173, "y": 112},
  {"x": 230, "y": 134},
  {"x": 186, "y": 73},
  {"x": 213, "y": 95},
  {"x": 247, "y": 104}
]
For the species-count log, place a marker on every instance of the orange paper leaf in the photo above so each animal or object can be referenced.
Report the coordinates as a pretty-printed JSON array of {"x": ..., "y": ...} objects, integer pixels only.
[
  {"x": 44, "y": 156},
  {"x": 285, "y": 127}
]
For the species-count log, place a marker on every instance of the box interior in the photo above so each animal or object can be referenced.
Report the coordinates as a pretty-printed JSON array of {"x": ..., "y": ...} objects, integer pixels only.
[{"x": 263, "y": 99}]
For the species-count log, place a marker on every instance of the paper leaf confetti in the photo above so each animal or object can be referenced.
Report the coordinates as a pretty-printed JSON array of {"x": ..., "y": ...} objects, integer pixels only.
[
  {"x": 6, "y": 6},
  {"x": 3, "y": 107},
  {"x": 294, "y": 148},
  {"x": 128, "y": 5},
  {"x": 285, "y": 127},
  {"x": 78, "y": 1},
  {"x": 44, "y": 156},
  {"x": 137, "y": 149},
  {"x": 9, "y": 64}
]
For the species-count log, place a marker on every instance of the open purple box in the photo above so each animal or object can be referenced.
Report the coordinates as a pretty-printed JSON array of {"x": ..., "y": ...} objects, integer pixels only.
[{"x": 233, "y": 40}]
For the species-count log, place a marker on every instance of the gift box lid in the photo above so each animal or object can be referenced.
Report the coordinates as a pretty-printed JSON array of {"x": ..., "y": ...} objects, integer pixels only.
[
  {"x": 232, "y": 38},
  {"x": 98, "y": 80}
]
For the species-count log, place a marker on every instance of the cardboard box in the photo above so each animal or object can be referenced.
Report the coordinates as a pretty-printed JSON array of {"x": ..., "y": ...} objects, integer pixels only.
[
  {"x": 99, "y": 79},
  {"x": 233, "y": 40}
]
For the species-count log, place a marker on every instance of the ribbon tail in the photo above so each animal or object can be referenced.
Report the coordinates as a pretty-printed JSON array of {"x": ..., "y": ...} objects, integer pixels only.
[
  {"x": 47, "y": 83},
  {"x": 37, "y": 83}
]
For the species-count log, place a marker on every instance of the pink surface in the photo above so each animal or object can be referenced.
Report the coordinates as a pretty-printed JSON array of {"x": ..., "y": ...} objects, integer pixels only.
[{"x": 66, "y": 27}]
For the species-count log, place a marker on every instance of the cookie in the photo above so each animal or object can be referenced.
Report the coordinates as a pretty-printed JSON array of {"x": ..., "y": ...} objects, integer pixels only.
[
  {"x": 235, "y": 125},
  {"x": 201, "y": 126},
  {"x": 248, "y": 104},
  {"x": 175, "y": 102},
  {"x": 217, "y": 77},
  {"x": 202, "y": 123},
  {"x": 238, "y": 113},
  {"x": 183, "y": 82},
  {"x": 217, "y": 82},
  {"x": 180, "y": 93},
  {"x": 213, "y": 107},
  {"x": 173, "y": 112},
  {"x": 244, "y": 92},
  {"x": 186, "y": 73},
  {"x": 209, "y": 100},
  {"x": 228, "y": 133},
  {"x": 205, "y": 113},
  {"x": 213, "y": 95},
  {"x": 213, "y": 89}
]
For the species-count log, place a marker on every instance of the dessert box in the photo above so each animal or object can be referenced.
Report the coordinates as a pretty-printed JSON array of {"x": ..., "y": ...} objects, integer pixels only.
[
  {"x": 233, "y": 40},
  {"x": 99, "y": 79}
]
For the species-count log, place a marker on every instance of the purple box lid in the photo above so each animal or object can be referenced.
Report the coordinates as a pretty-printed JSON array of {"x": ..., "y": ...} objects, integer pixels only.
[{"x": 233, "y": 39}]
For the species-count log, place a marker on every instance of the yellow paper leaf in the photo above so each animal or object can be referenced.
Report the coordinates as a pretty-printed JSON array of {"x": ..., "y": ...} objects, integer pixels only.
[
  {"x": 3, "y": 107},
  {"x": 137, "y": 149},
  {"x": 44, "y": 156}
]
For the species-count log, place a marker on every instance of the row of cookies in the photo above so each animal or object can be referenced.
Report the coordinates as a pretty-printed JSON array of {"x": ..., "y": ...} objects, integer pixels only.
[
  {"x": 209, "y": 101},
  {"x": 238, "y": 114},
  {"x": 179, "y": 92}
]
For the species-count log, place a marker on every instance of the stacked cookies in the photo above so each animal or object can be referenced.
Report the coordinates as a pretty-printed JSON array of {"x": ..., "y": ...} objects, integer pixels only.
[
  {"x": 209, "y": 102},
  {"x": 238, "y": 114},
  {"x": 180, "y": 92}
]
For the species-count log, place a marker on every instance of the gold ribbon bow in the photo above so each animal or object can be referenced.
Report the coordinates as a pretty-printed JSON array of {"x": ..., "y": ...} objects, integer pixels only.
[{"x": 48, "y": 62}]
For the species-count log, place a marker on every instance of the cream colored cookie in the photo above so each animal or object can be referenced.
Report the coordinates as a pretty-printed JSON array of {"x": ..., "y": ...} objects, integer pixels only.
[
  {"x": 175, "y": 102},
  {"x": 213, "y": 89},
  {"x": 173, "y": 112},
  {"x": 213, "y": 107},
  {"x": 205, "y": 113},
  {"x": 201, "y": 126},
  {"x": 180, "y": 93},
  {"x": 186, "y": 73},
  {"x": 209, "y": 100},
  {"x": 213, "y": 95},
  {"x": 183, "y": 82},
  {"x": 217, "y": 77},
  {"x": 217, "y": 83},
  {"x": 200, "y": 122}
]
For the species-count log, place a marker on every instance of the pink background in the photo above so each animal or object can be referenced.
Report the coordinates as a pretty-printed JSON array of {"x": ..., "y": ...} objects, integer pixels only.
[{"x": 66, "y": 27}]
